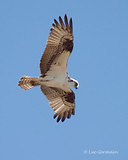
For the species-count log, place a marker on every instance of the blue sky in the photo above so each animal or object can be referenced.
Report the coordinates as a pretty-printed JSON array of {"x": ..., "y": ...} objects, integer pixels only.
[{"x": 99, "y": 62}]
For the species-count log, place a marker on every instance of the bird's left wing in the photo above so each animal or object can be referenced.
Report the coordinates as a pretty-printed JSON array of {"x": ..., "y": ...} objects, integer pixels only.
[{"x": 62, "y": 102}]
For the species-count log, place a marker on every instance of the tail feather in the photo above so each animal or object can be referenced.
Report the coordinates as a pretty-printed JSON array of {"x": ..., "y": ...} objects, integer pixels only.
[{"x": 27, "y": 82}]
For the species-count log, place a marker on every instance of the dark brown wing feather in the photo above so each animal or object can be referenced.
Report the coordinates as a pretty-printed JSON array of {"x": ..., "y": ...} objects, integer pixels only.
[
  {"x": 60, "y": 39},
  {"x": 63, "y": 103}
]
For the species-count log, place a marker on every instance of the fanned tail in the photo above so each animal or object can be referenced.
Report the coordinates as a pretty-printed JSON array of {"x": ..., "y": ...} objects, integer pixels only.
[{"x": 27, "y": 82}]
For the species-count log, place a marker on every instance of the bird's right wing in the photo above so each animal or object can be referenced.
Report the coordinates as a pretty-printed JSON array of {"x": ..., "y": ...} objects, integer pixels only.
[{"x": 58, "y": 48}]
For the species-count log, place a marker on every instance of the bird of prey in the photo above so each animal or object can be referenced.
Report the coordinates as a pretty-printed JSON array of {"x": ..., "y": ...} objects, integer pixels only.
[{"x": 54, "y": 81}]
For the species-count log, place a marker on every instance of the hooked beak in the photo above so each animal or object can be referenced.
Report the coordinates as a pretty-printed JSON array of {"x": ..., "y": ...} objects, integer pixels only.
[{"x": 76, "y": 86}]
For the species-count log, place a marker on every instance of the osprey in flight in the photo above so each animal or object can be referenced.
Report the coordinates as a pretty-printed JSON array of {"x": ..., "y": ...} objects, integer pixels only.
[{"x": 54, "y": 81}]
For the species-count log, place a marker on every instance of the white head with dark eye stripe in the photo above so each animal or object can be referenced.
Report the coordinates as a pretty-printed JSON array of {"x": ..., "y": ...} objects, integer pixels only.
[
  {"x": 73, "y": 83},
  {"x": 76, "y": 84}
]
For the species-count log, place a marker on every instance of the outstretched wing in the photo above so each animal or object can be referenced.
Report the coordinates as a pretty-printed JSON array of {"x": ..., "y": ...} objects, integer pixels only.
[
  {"x": 58, "y": 48},
  {"x": 63, "y": 103}
]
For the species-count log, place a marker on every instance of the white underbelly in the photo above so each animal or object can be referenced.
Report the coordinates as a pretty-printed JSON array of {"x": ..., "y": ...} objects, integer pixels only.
[{"x": 59, "y": 82}]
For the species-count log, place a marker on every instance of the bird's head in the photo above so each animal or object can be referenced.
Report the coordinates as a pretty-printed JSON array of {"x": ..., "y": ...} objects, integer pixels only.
[
  {"x": 73, "y": 83},
  {"x": 76, "y": 84}
]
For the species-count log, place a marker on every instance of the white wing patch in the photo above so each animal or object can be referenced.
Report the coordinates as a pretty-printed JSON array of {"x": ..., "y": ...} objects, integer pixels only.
[{"x": 59, "y": 65}]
